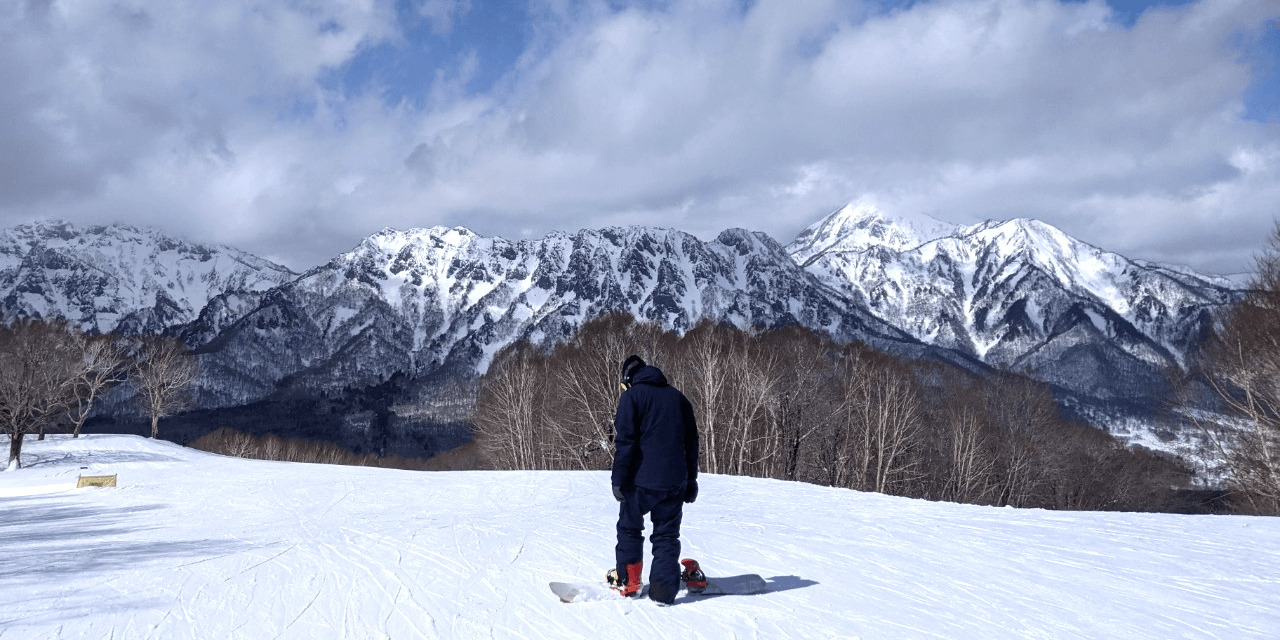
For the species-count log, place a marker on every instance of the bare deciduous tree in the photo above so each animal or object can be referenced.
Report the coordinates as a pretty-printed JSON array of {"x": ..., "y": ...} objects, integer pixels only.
[
  {"x": 882, "y": 405},
  {"x": 103, "y": 365},
  {"x": 968, "y": 464},
  {"x": 507, "y": 410},
  {"x": 705, "y": 361},
  {"x": 1242, "y": 368},
  {"x": 1023, "y": 414},
  {"x": 801, "y": 405},
  {"x": 162, "y": 376},
  {"x": 756, "y": 375},
  {"x": 38, "y": 364}
]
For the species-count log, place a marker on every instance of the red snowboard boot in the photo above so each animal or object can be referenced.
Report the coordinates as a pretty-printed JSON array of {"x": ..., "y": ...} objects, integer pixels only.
[{"x": 630, "y": 586}]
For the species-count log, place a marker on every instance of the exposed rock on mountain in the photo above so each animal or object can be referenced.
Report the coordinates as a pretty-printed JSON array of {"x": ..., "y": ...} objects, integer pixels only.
[
  {"x": 1018, "y": 294},
  {"x": 120, "y": 278},
  {"x": 443, "y": 301}
]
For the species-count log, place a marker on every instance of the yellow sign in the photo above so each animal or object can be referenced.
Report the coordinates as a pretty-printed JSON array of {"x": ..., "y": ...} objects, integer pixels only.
[{"x": 96, "y": 481}]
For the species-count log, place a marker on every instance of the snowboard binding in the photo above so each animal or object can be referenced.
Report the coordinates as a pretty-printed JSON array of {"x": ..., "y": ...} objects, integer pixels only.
[
  {"x": 692, "y": 577},
  {"x": 629, "y": 586}
]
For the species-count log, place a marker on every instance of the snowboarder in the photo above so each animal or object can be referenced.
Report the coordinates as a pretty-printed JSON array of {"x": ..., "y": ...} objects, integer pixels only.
[{"x": 655, "y": 471}]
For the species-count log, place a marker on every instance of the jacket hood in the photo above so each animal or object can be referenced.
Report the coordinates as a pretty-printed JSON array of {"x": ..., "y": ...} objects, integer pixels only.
[{"x": 649, "y": 375}]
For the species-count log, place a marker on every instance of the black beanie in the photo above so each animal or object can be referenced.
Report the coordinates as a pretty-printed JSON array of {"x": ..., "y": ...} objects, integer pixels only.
[{"x": 629, "y": 368}]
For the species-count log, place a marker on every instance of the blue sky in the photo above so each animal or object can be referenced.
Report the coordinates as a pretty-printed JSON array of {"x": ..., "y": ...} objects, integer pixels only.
[
  {"x": 495, "y": 33},
  {"x": 294, "y": 129}
]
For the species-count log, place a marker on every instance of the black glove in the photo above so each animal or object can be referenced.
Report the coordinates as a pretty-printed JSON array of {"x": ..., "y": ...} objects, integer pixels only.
[
  {"x": 691, "y": 492},
  {"x": 617, "y": 494}
]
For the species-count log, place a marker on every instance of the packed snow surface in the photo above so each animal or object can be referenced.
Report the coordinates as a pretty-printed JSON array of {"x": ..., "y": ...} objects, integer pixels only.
[{"x": 193, "y": 545}]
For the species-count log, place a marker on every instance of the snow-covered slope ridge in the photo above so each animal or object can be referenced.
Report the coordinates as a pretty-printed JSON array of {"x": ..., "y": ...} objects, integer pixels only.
[
  {"x": 1019, "y": 293},
  {"x": 120, "y": 278},
  {"x": 445, "y": 299},
  {"x": 192, "y": 545}
]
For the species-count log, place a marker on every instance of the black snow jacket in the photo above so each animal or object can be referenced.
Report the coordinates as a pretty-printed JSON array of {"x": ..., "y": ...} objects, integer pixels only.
[{"x": 655, "y": 435}]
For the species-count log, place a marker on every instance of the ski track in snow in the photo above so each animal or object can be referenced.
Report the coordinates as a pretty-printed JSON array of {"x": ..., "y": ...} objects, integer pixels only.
[{"x": 192, "y": 545}]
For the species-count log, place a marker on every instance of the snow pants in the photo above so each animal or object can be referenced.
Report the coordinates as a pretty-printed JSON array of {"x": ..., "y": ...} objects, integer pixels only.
[{"x": 665, "y": 509}]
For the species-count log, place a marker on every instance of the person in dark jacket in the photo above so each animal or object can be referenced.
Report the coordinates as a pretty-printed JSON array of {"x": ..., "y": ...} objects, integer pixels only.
[{"x": 655, "y": 471}]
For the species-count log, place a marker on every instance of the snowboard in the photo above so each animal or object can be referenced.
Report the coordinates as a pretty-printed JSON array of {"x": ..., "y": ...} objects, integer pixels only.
[{"x": 724, "y": 586}]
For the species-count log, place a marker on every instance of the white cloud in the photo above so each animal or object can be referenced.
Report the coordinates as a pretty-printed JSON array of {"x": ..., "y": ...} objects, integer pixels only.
[{"x": 696, "y": 115}]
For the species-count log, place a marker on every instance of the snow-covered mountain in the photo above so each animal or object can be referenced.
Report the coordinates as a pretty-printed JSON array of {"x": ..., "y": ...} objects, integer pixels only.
[
  {"x": 1019, "y": 294},
  {"x": 120, "y": 278},
  {"x": 444, "y": 301},
  {"x": 438, "y": 303},
  {"x": 195, "y": 545}
]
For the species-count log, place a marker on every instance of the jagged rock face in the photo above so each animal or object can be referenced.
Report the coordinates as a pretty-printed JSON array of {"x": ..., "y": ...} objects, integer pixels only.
[
  {"x": 118, "y": 278},
  {"x": 1020, "y": 294},
  {"x": 437, "y": 300}
]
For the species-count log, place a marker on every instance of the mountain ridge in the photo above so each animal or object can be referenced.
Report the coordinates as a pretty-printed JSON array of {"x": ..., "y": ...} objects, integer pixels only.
[
  {"x": 447, "y": 299},
  {"x": 119, "y": 277},
  {"x": 995, "y": 287},
  {"x": 437, "y": 303}
]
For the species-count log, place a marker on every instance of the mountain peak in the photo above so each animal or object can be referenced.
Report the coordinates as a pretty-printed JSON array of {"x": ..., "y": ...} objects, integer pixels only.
[
  {"x": 391, "y": 241},
  {"x": 861, "y": 226}
]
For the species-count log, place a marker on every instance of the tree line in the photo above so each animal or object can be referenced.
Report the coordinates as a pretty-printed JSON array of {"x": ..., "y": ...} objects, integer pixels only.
[
  {"x": 52, "y": 374},
  {"x": 229, "y": 442},
  {"x": 1232, "y": 394},
  {"x": 792, "y": 404}
]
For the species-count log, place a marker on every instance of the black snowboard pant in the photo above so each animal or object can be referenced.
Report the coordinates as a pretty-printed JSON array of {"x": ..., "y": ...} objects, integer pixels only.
[{"x": 665, "y": 509}]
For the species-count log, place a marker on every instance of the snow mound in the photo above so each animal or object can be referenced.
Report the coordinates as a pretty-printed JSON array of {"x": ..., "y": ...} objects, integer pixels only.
[{"x": 193, "y": 545}]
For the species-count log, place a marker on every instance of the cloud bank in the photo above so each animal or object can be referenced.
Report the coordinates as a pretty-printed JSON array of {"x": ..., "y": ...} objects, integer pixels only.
[{"x": 221, "y": 121}]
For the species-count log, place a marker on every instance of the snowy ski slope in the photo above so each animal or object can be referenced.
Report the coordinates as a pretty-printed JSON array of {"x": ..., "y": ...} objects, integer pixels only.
[{"x": 192, "y": 545}]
